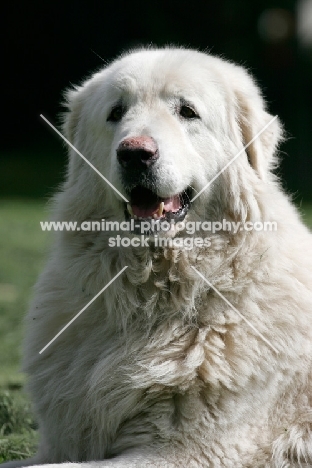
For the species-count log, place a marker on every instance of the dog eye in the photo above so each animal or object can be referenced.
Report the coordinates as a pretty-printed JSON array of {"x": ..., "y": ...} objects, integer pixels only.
[
  {"x": 116, "y": 114},
  {"x": 188, "y": 113}
]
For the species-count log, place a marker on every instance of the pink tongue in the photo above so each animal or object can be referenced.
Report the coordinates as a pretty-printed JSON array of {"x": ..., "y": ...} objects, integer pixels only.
[{"x": 170, "y": 204}]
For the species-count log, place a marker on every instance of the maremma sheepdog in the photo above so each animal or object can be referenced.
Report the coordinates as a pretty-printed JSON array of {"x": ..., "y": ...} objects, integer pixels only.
[{"x": 198, "y": 353}]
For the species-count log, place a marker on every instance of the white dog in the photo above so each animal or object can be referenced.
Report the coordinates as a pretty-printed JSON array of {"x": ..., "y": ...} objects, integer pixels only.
[{"x": 173, "y": 366}]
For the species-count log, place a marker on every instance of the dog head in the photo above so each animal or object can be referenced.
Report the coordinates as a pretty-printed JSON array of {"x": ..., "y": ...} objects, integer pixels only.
[{"x": 160, "y": 125}]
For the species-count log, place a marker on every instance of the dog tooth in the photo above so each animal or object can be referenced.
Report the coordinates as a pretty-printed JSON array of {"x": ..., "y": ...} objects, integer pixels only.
[
  {"x": 161, "y": 209},
  {"x": 129, "y": 209}
]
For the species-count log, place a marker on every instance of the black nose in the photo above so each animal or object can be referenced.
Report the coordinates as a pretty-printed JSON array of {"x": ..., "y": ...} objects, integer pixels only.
[{"x": 137, "y": 152}]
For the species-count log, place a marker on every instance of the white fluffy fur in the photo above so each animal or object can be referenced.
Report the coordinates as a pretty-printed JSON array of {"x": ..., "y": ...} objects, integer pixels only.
[{"x": 159, "y": 371}]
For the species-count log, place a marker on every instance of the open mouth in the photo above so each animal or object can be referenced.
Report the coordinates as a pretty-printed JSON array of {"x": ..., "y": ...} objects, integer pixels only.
[{"x": 146, "y": 205}]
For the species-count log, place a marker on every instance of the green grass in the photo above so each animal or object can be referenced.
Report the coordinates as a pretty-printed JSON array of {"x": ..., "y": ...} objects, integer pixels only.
[
  {"x": 18, "y": 436},
  {"x": 22, "y": 250},
  {"x": 22, "y": 253}
]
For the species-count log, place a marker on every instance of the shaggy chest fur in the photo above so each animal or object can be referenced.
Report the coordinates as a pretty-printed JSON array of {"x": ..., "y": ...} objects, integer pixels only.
[{"x": 162, "y": 355}]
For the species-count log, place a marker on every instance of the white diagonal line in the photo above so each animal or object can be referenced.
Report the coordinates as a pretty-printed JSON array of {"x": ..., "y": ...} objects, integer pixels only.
[
  {"x": 82, "y": 310},
  {"x": 237, "y": 311},
  {"x": 85, "y": 159},
  {"x": 232, "y": 160}
]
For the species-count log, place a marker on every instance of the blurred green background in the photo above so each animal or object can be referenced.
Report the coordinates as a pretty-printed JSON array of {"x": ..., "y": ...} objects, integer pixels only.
[{"x": 49, "y": 47}]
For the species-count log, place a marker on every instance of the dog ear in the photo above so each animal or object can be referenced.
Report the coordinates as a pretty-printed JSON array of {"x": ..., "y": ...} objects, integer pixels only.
[
  {"x": 254, "y": 127},
  {"x": 252, "y": 119},
  {"x": 73, "y": 102}
]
